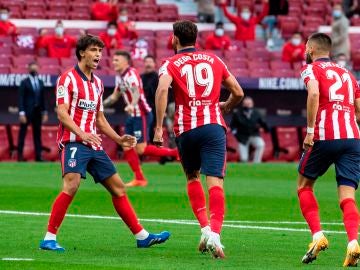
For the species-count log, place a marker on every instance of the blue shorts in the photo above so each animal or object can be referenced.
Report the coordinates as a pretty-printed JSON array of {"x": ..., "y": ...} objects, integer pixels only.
[
  {"x": 204, "y": 149},
  {"x": 345, "y": 154},
  {"x": 78, "y": 158},
  {"x": 139, "y": 127}
]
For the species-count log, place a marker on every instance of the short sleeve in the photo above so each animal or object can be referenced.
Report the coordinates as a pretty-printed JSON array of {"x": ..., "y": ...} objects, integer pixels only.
[
  {"x": 226, "y": 73},
  {"x": 164, "y": 69},
  {"x": 63, "y": 86},
  {"x": 308, "y": 73}
]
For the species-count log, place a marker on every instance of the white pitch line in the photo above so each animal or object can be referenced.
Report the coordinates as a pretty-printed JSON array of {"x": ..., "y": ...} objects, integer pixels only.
[
  {"x": 17, "y": 259},
  {"x": 177, "y": 221}
]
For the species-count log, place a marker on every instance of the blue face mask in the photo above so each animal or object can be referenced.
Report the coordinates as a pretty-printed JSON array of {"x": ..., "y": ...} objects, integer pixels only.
[{"x": 337, "y": 13}]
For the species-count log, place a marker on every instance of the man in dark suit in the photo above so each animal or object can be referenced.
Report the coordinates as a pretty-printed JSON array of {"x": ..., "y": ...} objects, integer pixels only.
[{"x": 32, "y": 110}]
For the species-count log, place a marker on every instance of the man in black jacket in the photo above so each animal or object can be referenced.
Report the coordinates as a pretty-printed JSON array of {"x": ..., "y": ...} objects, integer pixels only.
[
  {"x": 32, "y": 110},
  {"x": 245, "y": 125}
]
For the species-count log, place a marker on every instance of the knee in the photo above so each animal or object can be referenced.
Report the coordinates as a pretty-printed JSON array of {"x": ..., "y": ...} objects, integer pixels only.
[
  {"x": 71, "y": 184},
  {"x": 140, "y": 148},
  {"x": 304, "y": 182}
]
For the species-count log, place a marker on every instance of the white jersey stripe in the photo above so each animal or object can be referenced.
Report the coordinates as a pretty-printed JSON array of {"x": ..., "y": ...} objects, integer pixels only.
[
  {"x": 335, "y": 120},
  {"x": 206, "y": 115},
  {"x": 193, "y": 117},
  {"x": 349, "y": 131},
  {"x": 322, "y": 125},
  {"x": 218, "y": 119},
  {"x": 85, "y": 112},
  {"x": 181, "y": 119},
  {"x": 96, "y": 100},
  {"x": 73, "y": 102}
]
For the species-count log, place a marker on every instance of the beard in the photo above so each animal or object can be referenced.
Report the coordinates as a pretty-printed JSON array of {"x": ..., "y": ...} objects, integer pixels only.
[{"x": 308, "y": 59}]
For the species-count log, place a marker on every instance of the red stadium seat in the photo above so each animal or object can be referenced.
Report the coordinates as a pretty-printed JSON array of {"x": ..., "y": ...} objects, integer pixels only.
[
  {"x": 5, "y": 62},
  {"x": 232, "y": 147},
  {"x": 280, "y": 65},
  {"x": 50, "y": 147},
  {"x": 57, "y": 14},
  {"x": 53, "y": 70},
  {"x": 311, "y": 20},
  {"x": 355, "y": 57},
  {"x": 253, "y": 44},
  {"x": 269, "y": 146},
  {"x": 4, "y": 70},
  {"x": 237, "y": 64},
  {"x": 19, "y": 70},
  {"x": 240, "y": 72},
  {"x": 67, "y": 62},
  {"x": 260, "y": 54},
  {"x": 5, "y": 50},
  {"x": 23, "y": 60},
  {"x": 260, "y": 73},
  {"x": 286, "y": 73},
  {"x": 21, "y": 51},
  {"x": 79, "y": 16},
  {"x": 5, "y": 143},
  {"x": 288, "y": 25},
  {"x": 47, "y": 61},
  {"x": 235, "y": 55},
  {"x": 258, "y": 65},
  {"x": 35, "y": 9},
  {"x": 29, "y": 151},
  {"x": 28, "y": 31},
  {"x": 146, "y": 8},
  {"x": 288, "y": 143}
]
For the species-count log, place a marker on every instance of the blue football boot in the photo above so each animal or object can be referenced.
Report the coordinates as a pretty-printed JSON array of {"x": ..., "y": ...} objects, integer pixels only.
[
  {"x": 153, "y": 239},
  {"x": 51, "y": 245}
]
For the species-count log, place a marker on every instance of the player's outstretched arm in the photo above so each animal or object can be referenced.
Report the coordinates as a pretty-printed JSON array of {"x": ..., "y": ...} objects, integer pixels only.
[
  {"x": 161, "y": 98},
  {"x": 110, "y": 100},
  {"x": 236, "y": 94},
  {"x": 104, "y": 126},
  {"x": 312, "y": 107},
  {"x": 65, "y": 119}
]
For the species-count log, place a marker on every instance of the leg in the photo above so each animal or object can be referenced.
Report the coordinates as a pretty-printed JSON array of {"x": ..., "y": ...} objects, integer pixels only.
[
  {"x": 36, "y": 125},
  {"x": 244, "y": 152},
  {"x": 258, "y": 143},
  {"x": 21, "y": 141},
  {"x": 350, "y": 211}
]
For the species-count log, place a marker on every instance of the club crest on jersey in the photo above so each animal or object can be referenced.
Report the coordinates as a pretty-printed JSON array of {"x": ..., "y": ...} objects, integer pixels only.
[
  {"x": 85, "y": 104},
  {"x": 72, "y": 162}
]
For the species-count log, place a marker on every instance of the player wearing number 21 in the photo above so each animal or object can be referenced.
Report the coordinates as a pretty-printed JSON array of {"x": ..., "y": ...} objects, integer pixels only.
[
  {"x": 332, "y": 138},
  {"x": 196, "y": 79}
]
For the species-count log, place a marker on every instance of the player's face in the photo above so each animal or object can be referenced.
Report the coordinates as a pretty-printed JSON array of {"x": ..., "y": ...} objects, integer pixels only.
[
  {"x": 119, "y": 62},
  {"x": 91, "y": 56}
]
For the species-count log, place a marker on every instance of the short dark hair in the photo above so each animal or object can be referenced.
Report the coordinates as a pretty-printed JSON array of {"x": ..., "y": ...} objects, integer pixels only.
[
  {"x": 150, "y": 56},
  {"x": 322, "y": 40},
  {"x": 124, "y": 54},
  {"x": 218, "y": 24},
  {"x": 186, "y": 31},
  {"x": 111, "y": 23},
  {"x": 85, "y": 41}
]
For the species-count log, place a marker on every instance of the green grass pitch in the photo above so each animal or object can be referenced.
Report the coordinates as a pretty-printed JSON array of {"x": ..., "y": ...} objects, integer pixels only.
[{"x": 260, "y": 199}]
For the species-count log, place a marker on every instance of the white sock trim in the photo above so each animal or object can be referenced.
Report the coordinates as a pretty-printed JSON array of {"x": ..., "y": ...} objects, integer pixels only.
[
  {"x": 205, "y": 229},
  {"x": 142, "y": 235},
  {"x": 352, "y": 242},
  {"x": 317, "y": 235},
  {"x": 50, "y": 236}
]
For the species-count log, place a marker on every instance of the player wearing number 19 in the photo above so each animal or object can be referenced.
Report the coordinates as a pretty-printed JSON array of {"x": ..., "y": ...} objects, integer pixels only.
[
  {"x": 196, "y": 79},
  {"x": 80, "y": 111},
  {"x": 332, "y": 138}
]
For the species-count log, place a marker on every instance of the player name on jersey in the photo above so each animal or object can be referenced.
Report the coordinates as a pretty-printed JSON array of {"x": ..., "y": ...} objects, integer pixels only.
[{"x": 196, "y": 56}]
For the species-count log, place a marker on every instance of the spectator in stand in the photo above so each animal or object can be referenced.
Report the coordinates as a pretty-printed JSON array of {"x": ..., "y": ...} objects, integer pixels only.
[
  {"x": 245, "y": 125},
  {"x": 104, "y": 10},
  {"x": 111, "y": 38},
  {"x": 342, "y": 61},
  {"x": 246, "y": 22},
  {"x": 351, "y": 7},
  {"x": 340, "y": 33},
  {"x": 205, "y": 11},
  {"x": 58, "y": 45},
  {"x": 7, "y": 28},
  {"x": 294, "y": 50},
  {"x": 218, "y": 40},
  {"x": 125, "y": 27}
]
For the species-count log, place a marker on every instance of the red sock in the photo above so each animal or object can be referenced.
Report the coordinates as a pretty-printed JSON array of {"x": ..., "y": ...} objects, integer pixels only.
[
  {"x": 152, "y": 150},
  {"x": 350, "y": 218},
  {"x": 133, "y": 159},
  {"x": 58, "y": 211},
  {"x": 217, "y": 208},
  {"x": 126, "y": 212},
  {"x": 198, "y": 202},
  {"x": 310, "y": 209}
]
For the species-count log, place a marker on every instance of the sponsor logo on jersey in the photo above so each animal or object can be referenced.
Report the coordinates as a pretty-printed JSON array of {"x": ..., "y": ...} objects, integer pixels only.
[
  {"x": 85, "y": 104},
  {"x": 61, "y": 91}
]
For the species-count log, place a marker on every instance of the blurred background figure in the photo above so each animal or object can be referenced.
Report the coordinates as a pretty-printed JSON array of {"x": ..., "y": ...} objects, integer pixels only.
[
  {"x": 218, "y": 40},
  {"x": 340, "y": 32},
  {"x": 111, "y": 37},
  {"x": 205, "y": 11},
  {"x": 7, "y": 28},
  {"x": 32, "y": 110},
  {"x": 342, "y": 61},
  {"x": 245, "y": 125},
  {"x": 351, "y": 7},
  {"x": 150, "y": 80},
  {"x": 294, "y": 49},
  {"x": 104, "y": 10},
  {"x": 126, "y": 28}
]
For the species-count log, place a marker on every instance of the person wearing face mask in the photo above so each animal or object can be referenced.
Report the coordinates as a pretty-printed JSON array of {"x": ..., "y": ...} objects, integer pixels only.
[
  {"x": 32, "y": 110},
  {"x": 342, "y": 61},
  {"x": 218, "y": 40},
  {"x": 294, "y": 50},
  {"x": 125, "y": 27},
  {"x": 246, "y": 22},
  {"x": 57, "y": 45},
  {"x": 111, "y": 37},
  {"x": 104, "y": 10},
  {"x": 340, "y": 33},
  {"x": 7, "y": 28},
  {"x": 245, "y": 125}
]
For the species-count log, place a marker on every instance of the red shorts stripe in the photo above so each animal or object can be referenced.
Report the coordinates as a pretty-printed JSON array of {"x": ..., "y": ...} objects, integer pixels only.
[{"x": 304, "y": 160}]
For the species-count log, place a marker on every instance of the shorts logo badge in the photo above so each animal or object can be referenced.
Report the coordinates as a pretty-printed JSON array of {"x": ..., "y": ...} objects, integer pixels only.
[{"x": 72, "y": 162}]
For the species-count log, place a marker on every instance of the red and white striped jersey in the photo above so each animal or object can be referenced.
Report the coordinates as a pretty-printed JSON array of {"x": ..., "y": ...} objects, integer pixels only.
[
  {"x": 338, "y": 88},
  {"x": 197, "y": 78},
  {"x": 128, "y": 82},
  {"x": 85, "y": 100}
]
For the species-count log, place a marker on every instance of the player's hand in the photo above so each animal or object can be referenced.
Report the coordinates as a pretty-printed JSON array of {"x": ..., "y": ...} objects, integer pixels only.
[
  {"x": 224, "y": 108},
  {"x": 308, "y": 141},
  {"x": 127, "y": 141},
  {"x": 158, "y": 137},
  {"x": 22, "y": 119},
  {"x": 90, "y": 138},
  {"x": 44, "y": 118},
  {"x": 129, "y": 109}
]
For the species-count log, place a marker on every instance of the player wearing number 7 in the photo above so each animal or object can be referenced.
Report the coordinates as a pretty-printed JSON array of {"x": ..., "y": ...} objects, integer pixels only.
[
  {"x": 332, "y": 138},
  {"x": 80, "y": 112},
  {"x": 196, "y": 79}
]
